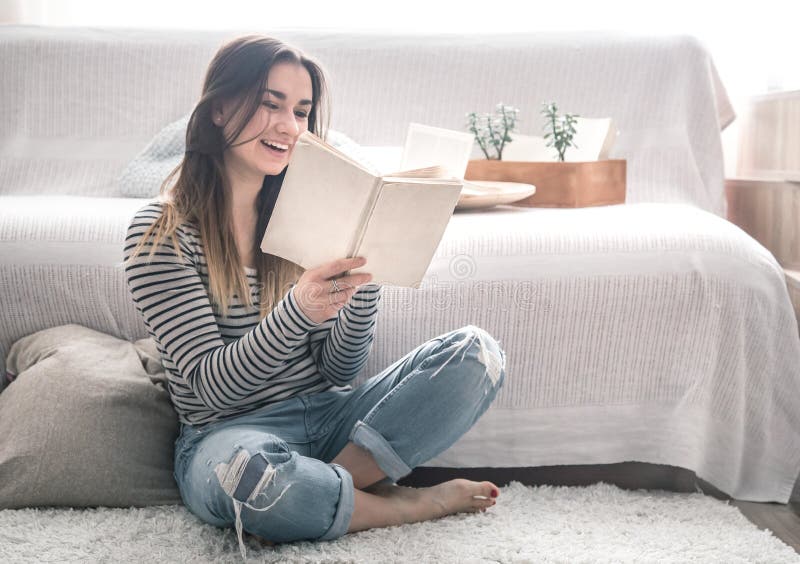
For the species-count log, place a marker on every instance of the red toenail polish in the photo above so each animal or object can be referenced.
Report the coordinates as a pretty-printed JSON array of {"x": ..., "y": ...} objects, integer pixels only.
[{"x": 495, "y": 493}]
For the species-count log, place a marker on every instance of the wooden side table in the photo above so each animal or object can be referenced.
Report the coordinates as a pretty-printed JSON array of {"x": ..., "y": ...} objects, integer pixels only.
[{"x": 769, "y": 211}]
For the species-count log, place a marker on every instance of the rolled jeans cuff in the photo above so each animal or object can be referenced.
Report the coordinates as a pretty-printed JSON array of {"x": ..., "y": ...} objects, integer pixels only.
[
  {"x": 385, "y": 456},
  {"x": 344, "y": 510}
]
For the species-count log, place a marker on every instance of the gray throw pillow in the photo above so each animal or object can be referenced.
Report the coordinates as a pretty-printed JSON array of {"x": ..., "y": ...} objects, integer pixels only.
[
  {"x": 86, "y": 422},
  {"x": 143, "y": 176}
]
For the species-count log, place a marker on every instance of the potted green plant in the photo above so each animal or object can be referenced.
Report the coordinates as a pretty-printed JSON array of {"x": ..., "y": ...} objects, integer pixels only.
[
  {"x": 558, "y": 183},
  {"x": 559, "y": 131},
  {"x": 492, "y": 131}
]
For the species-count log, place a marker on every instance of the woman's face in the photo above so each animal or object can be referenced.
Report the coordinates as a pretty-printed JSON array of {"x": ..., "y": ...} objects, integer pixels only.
[{"x": 281, "y": 118}]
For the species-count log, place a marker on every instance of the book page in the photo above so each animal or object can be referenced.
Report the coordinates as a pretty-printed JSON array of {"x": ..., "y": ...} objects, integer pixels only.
[
  {"x": 313, "y": 139},
  {"x": 320, "y": 208},
  {"x": 593, "y": 141},
  {"x": 422, "y": 180},
  {"x": 594, "y": 138},
  {"x": 427, "y": 146},
  {"x": 528, "y": 148},
  {"x": 427, "y": 172},
  {"x": 404, "y": 231}
]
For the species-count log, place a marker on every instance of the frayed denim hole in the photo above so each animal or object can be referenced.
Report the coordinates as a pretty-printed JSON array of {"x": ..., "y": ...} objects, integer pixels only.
[
  {"x": 453, "y": 349},
  {"x": 230, "y": 477}
]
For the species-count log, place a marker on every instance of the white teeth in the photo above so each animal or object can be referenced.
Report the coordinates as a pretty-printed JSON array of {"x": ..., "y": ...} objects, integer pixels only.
[{"x": 276, "y": 145}]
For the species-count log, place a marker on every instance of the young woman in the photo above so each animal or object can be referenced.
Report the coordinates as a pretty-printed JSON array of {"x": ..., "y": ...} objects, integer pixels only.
[{"x": 260, "y": 354}]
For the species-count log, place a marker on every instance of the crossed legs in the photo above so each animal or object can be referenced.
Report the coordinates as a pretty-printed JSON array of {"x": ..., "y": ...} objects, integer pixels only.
[{"x": 449, "y": 387}]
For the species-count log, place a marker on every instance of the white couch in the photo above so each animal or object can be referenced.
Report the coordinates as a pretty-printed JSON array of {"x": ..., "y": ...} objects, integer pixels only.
[{"x": 654, "y": 331}]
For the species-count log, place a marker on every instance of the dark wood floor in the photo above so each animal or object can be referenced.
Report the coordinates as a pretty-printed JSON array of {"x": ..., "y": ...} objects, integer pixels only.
[{"x": 782, "y": 520}]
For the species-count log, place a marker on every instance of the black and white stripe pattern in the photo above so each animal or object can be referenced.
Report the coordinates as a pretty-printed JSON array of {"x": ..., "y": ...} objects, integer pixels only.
[{"x": 221, "y": 367}]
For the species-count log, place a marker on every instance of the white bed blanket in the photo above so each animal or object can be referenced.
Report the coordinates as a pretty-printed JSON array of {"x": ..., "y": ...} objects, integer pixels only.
[{"x": 649, "y": 332}]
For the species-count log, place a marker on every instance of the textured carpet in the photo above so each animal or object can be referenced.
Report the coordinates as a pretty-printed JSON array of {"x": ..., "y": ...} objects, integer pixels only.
[{"x": 598, "y": 523}]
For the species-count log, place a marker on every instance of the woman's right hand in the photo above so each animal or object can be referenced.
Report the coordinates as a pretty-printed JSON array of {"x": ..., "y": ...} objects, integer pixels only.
[{"x": 314, "y": 290}]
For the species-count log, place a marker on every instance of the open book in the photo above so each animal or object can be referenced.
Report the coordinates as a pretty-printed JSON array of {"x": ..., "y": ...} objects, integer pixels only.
[{"x": 332, "y": 207}]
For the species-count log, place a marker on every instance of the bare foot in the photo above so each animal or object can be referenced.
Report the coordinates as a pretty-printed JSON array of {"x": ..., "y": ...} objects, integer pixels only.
[
  {"x": 447, "y": 498},
  {"x": 385, "y": 489}
]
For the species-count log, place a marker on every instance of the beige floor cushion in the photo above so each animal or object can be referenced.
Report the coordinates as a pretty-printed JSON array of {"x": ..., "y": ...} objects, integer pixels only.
[{"x": 86, "y": 422}]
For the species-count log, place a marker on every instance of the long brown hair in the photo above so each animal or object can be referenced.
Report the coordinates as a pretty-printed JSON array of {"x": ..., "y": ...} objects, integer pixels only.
[{"x": 237, "y": 73}]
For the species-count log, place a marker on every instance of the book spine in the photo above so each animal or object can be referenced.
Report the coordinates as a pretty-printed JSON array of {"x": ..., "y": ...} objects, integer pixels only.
[{"x": 365, "y": 217}]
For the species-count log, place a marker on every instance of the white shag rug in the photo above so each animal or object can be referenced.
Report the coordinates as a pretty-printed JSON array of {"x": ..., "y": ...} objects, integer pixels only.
[{"x": 598, "y": 523}]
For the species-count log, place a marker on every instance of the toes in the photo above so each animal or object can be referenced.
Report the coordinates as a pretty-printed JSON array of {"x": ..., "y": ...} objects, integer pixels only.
[
  {"x": 482, "y": 503},
  {"x": 491, "y": 491},
  {"x": 483, "y": 489}
]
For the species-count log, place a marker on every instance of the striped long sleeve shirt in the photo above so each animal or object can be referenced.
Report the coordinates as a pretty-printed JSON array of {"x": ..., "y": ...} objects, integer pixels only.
[{"x": 222, "y": 367}]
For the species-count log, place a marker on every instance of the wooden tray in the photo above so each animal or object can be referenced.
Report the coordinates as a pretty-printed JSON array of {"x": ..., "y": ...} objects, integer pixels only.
[{"x": 558, "y": 184}]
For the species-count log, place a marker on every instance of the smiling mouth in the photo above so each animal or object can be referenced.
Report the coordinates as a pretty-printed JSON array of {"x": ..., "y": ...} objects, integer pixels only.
[{"x": 274, "y": 152}]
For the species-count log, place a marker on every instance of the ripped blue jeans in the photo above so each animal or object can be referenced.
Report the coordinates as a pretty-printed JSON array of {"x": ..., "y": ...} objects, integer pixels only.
[{"x": 269, "y": 472}]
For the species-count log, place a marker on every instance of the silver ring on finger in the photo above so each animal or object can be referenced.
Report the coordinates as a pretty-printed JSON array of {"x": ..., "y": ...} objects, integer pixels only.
[{"x": 336, "y": 287}]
